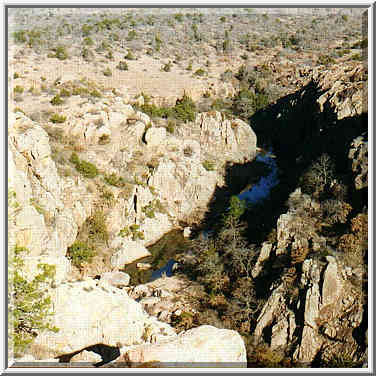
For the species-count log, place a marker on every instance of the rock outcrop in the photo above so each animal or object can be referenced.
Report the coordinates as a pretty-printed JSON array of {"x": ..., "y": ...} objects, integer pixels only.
[
  {"x": 313, "y": 311},
  {"x": 344, "y": 89},
  {"x": 88, "y": 313},
  {"x": 201, "y": 346},
  {"x": 358, "y": 155},
  {"x": 126, "y": 251}
]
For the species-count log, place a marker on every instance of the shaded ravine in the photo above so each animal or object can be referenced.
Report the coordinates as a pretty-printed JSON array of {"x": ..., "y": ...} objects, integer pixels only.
[{"x": 163, "y": 252}]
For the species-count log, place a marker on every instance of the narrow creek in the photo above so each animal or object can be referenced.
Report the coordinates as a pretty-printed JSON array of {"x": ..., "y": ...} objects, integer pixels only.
[{"x": 173, "y": 243}]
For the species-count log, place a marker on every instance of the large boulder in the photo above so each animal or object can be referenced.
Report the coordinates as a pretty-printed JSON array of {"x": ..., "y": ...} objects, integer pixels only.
[
  {"x": 116, "y": 279},
  {"x": 155, "y": 136},
  {"x": 205, "y": 345},
  {"x": 88, "y": 314},
  {"x": 127, "y": 252},
  {"x": 232, "y": 138}
]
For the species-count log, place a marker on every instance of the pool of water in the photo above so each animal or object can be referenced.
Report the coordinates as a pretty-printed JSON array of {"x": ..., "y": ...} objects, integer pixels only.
[
  {"x": 161, "y": 259},
  {"x": 262, "y": 188}
]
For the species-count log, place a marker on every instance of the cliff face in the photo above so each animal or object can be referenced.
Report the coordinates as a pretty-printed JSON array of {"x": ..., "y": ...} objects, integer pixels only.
[
  {"x": 317, "y": 309},
  {"x": 318, "y": 302}
]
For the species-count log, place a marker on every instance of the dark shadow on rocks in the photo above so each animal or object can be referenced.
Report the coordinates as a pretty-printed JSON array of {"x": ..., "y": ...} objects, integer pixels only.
[
  {"x": 238, "y": 177},
  {"x": 108, "y": 354},
  {"x": 298, "y": 133}
]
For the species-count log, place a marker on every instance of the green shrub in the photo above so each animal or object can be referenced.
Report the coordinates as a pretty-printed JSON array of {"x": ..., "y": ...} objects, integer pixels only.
[
  {"x": 125, "y": 232},
  {"x": 149, "y": 211},
  {"x": 154, "y": 111},
  {"x": 170, "y": 126},
  {"x": 57, "y": 119},
  {"x": 86, "y": 29},
  {"x": 131, "y": 35},
  {"x": 185, "y": 109},
  {"x": 129, "y": 56},
  {"x": 122, "y": 66},
  {"x": 223, "y": 19},
  {"x": 85, "y": 168},
  {"x": 87, "y": 54},
  {"x": 108, "y": 197},
  {"x": 208, "y": 165},
  {"x": 218, "y": 104},
  {"x": 74, "y": 158},
  {"x": 80, "y": 252},
  {"x": 104, "y": 139},
  {"x": 189, "y": 67},
  {"x": 345, "y": 18},
  {"x": 65, "y": 92},
  {"x": 56, "y": 100},
  {"x": 113, "y": 179},
  {"x": 96, "y": 93},
  {"x": 88, "y": 41},
  {"x": 60, "y": 53},
  {"x": 20, "y": 36},
  {"x": 200, "y": 72},
  {"x": 325, "y": 60},
  {"x": 178, "y": 17},
  {"x": 357, "y": 57},
  {"x": 167, "y": 67},
  {"x": 29, "y": 306},
  {"x": 78, "y": 90},
  {"x": 16, "y": 75},
  {"x": 132, "y": 230},
  {"x": 18, "y": 89},
  {"x": 110, "y": 55},
  {"x": 247, "y": 102},
  {"x": 97, "y": 227}
]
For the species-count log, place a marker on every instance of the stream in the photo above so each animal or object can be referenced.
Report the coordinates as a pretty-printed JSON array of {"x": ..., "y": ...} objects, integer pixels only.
[{"x": 173, "y": 243}]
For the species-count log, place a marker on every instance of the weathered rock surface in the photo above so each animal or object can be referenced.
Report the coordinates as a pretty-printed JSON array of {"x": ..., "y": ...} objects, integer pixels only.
[
  {"x": 88, "y": 314},
  {"x": 344, "y": 90},
  {"x": 295, "y": 229},
  {"x": 205, "y": 344},
  {"x": 126, "y": 251},
  {"x": 155, "y": 136},
  {"x": 264, "y": 255},
  {"x": 164, "y": 297},
  {"x": 234, "y": 139},
  {"x": 358, "y": 155},
  {"x": 116, "y": 279},
  {"x": 86, "y": 356},
  {"x": 317, "y": 309}
]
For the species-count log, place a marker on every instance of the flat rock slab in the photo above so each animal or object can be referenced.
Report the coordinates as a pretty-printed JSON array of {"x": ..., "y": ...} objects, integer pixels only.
[{"x": 205, "y": 345}]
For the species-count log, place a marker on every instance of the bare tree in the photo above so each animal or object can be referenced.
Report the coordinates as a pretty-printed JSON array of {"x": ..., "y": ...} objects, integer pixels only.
[{"x": 320, "y": 175}]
